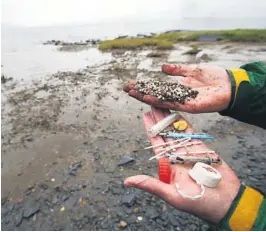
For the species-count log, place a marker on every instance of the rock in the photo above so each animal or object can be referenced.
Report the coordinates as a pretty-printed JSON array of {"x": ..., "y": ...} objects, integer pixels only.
[
  {"x": 4, "y": 200},
  {"x": 122, "y": 37},
  {"x": 173, "y": 220},
  {"x": 205, "y": 227},
  {"x": 28, "y": 138},
  {"x": 152, "y": 214},
  {"x": 203, "y": 56},
  {"x": 140, "y": 218},
  {"x": 128, "y": 210},
  {"x": 143, "y": 36},
  {"x": 253, "y": 159},
  {"x": 105, "y": 223},
  {"x": 18, "y": 217},
  {"x": 55, "y": 199},
  {"x": 30, "y": 208},
  {"x": 129, "y": 199},
  {"x": 253, "y": 179},
  {"x": 71, "y": 202},
  {"x": 192, "y": 227},
  {"x": 235, "y": 156},
  {"x": 122, "y": 224},
  {"x": 172, "y": 31},
  {"x": 131, "y": 219},
  {"x": 74, "y": 168},
  {"x": 125, "y": 160},
  {"x": 136, "y": 210},
  {"x": 4, "y": 79}
]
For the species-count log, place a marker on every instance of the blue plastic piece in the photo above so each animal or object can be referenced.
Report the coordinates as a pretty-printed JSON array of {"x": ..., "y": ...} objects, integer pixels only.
[{"x": 176, "y": 135}]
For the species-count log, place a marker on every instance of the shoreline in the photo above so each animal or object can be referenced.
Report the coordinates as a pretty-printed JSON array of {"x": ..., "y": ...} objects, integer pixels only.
[{"x": 64, "y": 136}]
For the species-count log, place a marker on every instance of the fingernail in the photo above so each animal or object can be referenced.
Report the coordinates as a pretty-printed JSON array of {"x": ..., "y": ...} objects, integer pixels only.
[
  {"x": 168, "y": 67},
  {"x": 129, "y": 181}
]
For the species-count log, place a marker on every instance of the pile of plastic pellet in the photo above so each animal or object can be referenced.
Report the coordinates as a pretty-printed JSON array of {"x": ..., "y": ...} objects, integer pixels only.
[{"x": 166, "y": 91}]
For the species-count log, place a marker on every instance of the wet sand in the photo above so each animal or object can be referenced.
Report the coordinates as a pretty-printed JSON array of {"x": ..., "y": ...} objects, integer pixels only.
[{"x": 65, "y": 135}]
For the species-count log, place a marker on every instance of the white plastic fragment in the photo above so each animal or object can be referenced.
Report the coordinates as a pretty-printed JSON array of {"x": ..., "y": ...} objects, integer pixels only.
[
  {"x": 162, "y": 144},
  {"x": 173, "y": 147},
  {"x": 161, "y": 153},
  {"x": 161, "y": 125},
  {"x": 198, "y": 196},
  {"x": 205, "y": 174},
  {"x": 193, "y": 152}
]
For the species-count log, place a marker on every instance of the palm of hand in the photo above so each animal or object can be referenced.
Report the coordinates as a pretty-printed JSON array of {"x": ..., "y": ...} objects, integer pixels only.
[
  {"x": 211, "y": 82},
  {"x": 215, "y": 203}
]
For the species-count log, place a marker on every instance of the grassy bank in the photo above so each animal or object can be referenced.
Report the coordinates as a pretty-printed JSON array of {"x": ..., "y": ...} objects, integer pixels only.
[
  {"x": 166, "y": 41},
  {"x": 135, "y": 43}
]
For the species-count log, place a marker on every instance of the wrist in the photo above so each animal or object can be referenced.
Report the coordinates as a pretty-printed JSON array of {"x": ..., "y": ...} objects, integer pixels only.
[
  {"x": 247, "y": 211},
  {"x": 230, "y": 93}
]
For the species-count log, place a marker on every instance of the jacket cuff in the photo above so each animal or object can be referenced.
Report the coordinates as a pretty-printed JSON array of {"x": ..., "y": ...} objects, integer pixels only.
[
  {"x": 247, "y": 211},
  {"x": 233, "y": 94}
]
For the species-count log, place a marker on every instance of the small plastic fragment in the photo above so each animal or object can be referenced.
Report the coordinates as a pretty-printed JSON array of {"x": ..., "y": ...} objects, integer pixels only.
[
  {"x": 164, "y": 170},
  {"x": 180, "y": 125}
]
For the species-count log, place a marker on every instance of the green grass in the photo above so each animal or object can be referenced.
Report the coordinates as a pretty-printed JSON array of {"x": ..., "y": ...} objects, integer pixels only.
[
  {"x": 136, "y": 43},
  {"x": 194, "y": 51},
  {"x": 166, "y": 41},
  {"x": 238, "y": 35}
]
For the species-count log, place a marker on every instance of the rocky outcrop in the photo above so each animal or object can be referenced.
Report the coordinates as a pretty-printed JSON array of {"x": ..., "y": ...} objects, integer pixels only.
[{"x": 80, "y": 43}]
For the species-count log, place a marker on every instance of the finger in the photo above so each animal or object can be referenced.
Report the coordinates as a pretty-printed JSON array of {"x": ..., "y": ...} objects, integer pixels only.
[
  {"x": 136, "y": 94},
  {"x": 129, "y": 86},
  {"x": 154, "y": 186},
  {"x": 161, "y": 114},
  {"x": 189, "y": 105},
  {"x": 149, "y": 121},
  {"x": 178, "y": 70},
  {"x": 154, "y": 101}
]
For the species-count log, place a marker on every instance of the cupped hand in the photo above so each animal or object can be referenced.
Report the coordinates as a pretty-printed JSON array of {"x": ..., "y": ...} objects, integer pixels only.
[
  {"x": 213, "y": 206},
  {"x": 212, "y": 83}
]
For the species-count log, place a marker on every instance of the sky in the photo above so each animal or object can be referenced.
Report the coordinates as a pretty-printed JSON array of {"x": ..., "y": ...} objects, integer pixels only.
[{"x": 34, "y": 13}]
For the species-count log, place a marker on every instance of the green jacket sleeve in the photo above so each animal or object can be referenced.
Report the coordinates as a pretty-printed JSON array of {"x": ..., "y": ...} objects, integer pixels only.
[
  {"x": 248, "y": 101},
  {"x": 247, "y": 211}
]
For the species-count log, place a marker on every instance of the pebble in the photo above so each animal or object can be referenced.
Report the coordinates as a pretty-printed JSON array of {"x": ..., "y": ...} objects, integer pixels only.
[
  {"x": 136, "y": 210},
  {"x": 30, "y": 208},
  {"x": 131, "y": 219},
  {"x": 125, "y": 160},
  {"x": 192, "y": 227},
  {"x": 18, "y": 217},
  {"x": 140, "y": 218},
  {"x": 129, "y": 199},
  {"x": 122, "y": 224},
  {"x": 74, "y": 168}
]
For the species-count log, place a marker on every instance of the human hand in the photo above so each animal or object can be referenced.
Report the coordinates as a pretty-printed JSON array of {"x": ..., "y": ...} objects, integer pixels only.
[
  {"x": 215, "y": 203},
  {"x": 212, "y": 83}
]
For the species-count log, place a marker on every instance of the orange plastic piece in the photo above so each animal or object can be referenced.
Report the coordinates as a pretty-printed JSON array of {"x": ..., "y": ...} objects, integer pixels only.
[{"x": 164, "y": 170}]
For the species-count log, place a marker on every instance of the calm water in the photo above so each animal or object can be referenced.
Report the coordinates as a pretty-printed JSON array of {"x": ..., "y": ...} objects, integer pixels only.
[{"x": 24, "y": 56}]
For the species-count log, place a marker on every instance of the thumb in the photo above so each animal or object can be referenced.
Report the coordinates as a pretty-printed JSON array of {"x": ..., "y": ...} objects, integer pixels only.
[
  {"x": 178, "y": 70},
  {"x": 152, "y": 185}
]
